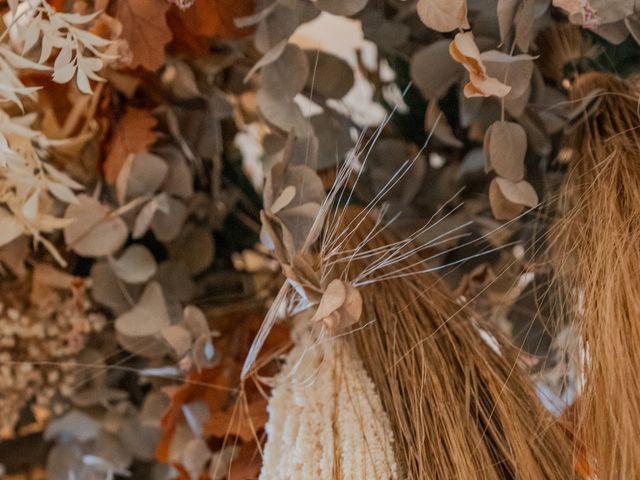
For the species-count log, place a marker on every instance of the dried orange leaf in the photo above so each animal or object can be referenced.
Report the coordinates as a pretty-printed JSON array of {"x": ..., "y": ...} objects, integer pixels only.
[
  {"x": 216, "y": 18},
  {"x": 241, "y": 421},
  {"x": 145, "y": 29},
  {"x": 443, "y": 15},
  {"x": 464, "y": 50},
  {"x": 132, "y": 134}
]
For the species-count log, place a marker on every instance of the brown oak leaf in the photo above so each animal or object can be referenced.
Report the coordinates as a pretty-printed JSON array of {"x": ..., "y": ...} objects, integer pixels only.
[
  {"x": 145, "y": 29},
  {"x": 132, "y": 134}
]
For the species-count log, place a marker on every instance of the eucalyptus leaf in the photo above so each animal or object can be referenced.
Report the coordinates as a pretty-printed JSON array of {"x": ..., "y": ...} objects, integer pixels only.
[
  {"x": 520, "y": 193},
  {"x": 332, "y": 77},
  {"x": 435, "y": 82},
  {"x": 95, "y": 231},
  {"x": 341, "y": 7},
  {"x": 135, "y": 265},
  {"x": 506, "y": 149},
  {"x": 149, "y": 315},
  {"x": 501, "y": 207}
]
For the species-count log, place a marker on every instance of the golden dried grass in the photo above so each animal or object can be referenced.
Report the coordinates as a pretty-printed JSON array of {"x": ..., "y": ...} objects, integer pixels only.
[
  {"x": 459, "y": 410},
  {"x": 596, "y": 254}
]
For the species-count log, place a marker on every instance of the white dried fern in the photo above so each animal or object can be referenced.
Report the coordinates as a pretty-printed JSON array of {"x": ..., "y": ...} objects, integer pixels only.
[{"x": 30, "y": 186}]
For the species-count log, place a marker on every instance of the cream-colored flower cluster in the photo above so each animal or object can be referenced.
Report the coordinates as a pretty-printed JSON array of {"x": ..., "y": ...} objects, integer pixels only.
[
  {"x": 325, "y": 417},
  {"x": 37, "y": 348}
]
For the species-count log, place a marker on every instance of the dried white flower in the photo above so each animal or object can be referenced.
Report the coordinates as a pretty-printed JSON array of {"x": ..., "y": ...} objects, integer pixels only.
[{"x": 323, "y": 399}]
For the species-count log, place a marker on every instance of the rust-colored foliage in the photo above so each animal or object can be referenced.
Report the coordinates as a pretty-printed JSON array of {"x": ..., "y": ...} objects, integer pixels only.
[{"x": 237, "y": 412}]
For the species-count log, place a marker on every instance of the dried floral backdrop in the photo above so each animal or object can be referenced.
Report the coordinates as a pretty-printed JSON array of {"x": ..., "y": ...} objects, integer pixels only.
[{"x": 135, "y": 138}]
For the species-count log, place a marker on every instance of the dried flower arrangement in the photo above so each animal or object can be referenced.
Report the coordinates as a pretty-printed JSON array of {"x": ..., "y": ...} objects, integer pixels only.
[{"x": 351, "y": 239}]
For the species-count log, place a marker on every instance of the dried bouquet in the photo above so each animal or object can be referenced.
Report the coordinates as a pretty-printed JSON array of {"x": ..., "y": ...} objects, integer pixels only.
[{"x": 323, "y": 239}]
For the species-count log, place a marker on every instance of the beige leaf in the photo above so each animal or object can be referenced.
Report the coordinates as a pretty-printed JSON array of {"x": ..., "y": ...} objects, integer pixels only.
[
  {"x": 144, "y": 218},
  {"x": 340, "y": 306},
  {"x": 135, "y": 265},
  {"x": 514, "y": 70},
  {"x": 506, "y": 10},
  {"x": 167, "y": 223},
  {"x": 195, "y": 456},
  {"x": 443, "y": 15},
  {"x": 570, "y": 6},
  {"x": 352, "y": 307},
  {"x": 333, "y": 298},
  {"x": 269, "y": 57},
  {"x": 287, "y": 75},
  {"x": 507, "y": 146},
  {"x": 95, "y": 231},
  {"x": 502, "y": 208},
  {"x": 283, "y": 113},
  {"x": 178, "y": 338},
  {"x": 10, "y": 227},
  {"x": 464, "y": 50},
  {"x": 296, "y": 225},
  {"x": 149, "y": 315},
  {"x": 195, "y": 321},
  {"x": 525, "y": 16},
  {"x": 434, "y": 83},
  {"x": 147, "y": 173},
  {"x": 108, "y": 290},
  {"x": 283, "y": 199},
  {"x": 521, "y": 193}
]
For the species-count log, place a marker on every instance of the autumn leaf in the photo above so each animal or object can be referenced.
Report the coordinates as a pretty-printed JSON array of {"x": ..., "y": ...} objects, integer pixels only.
[
  {"x": 197, "y": 387},
  {"x": 247, "y": 464},
  {"x": 443, "y": 15},
  {"x": 216, "y": 18},
  {"x": 240, "y": 421},
  {"x": 132, "y": 134},
  {"x": 464, "y": 50},
  {"x": 57, "y": 4},
  {"x": 144, "y": 27}
]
